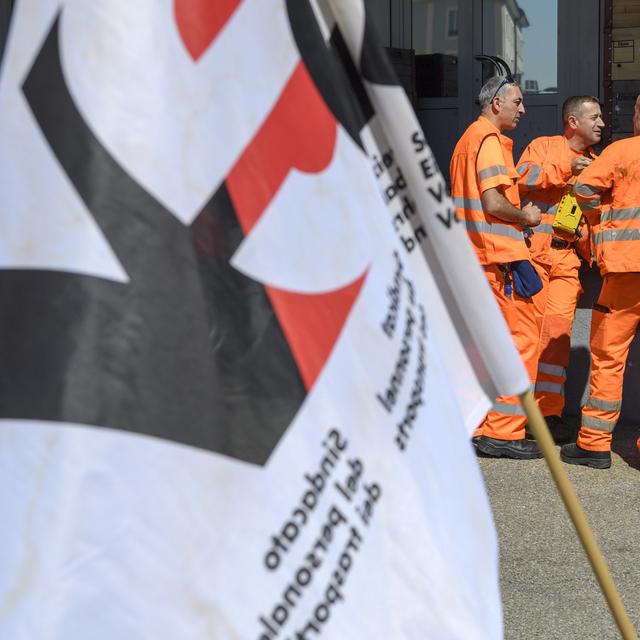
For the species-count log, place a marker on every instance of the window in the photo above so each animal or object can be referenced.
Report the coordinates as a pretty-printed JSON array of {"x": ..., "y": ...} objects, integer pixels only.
[
  {"x": 524, "y": 33},
  {"x": 539, "y": 63},
  {"x": 434, "y": 30},
  {"x": 452, "y": 23}
]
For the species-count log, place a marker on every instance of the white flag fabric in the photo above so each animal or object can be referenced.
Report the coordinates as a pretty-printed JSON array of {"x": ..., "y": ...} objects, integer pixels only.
[{"x": 233, "y": 400}]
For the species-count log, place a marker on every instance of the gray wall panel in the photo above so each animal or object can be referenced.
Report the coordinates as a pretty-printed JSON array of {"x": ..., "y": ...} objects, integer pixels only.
[
  {"x": 440, "y": 127},
  {"x": 538, "y": 120},
  {"x": 380, "y": 10},
  {"x": 579, "y": 36}
]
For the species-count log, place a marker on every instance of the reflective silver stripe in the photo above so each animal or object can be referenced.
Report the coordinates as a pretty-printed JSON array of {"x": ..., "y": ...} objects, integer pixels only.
[
  {"x": 472, "y": 204},
  {"x": 551, "y": 387},
  {"x": 552, "y": 369},
  {"x": 612, "y": 235},
  {"x": 508, "y": 409},
  {"x": 523, "y": 167},
  {"x": 479, "y": 226},
  {"x": 590, "y": 205},
  {"x": 621, "y": 214},
  {"x": 596, "y": 423},
  {"x": 604, "y": 405},
  {"x": 585, "y": 190},
  {"x": 543, "y": 228},
  {"x": 495, "y": 170},
  {"x": 534, "y": 174}
]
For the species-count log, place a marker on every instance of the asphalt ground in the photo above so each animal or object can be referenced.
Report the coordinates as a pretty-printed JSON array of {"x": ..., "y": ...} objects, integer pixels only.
[{"x": 548, "y": 588}]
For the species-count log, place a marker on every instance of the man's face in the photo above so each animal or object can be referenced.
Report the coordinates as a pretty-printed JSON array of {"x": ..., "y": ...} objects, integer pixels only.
[
  {"x": 588, "y": 123},
  {"x": 510, "y": 108}
]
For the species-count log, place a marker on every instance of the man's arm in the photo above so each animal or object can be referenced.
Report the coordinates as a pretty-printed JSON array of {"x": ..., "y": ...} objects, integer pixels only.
[
  {"x": 541, "y": 168},
  {"x": 594, "y": 182},
  {"x": 494, "y": 176},
  {"x": 497, "y": 205}
]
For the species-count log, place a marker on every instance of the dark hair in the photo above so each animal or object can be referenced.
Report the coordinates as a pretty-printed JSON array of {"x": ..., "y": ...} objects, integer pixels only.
[{"x": 573, "y": 106}]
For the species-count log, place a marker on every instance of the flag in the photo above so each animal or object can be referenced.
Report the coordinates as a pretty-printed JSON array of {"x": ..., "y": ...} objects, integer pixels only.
[{"x": 235, "y": 399}]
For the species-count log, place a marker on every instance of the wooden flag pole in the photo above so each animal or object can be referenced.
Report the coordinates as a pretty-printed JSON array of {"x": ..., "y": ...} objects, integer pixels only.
[{"x": 541, "y": 433}]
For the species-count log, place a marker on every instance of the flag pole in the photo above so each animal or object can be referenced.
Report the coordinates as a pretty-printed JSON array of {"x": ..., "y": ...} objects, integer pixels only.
[{"x": 538, "y": 426}]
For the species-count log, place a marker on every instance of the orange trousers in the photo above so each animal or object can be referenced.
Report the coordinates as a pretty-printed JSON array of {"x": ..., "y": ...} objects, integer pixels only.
[
  {"x": 614, "y": 323},
  {"x": 507, "y": 420},
  {"x": 563, "y": 292}
]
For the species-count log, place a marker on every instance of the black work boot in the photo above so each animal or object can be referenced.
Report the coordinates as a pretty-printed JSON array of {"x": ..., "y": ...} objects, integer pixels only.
[
  {"x": 573, "y": 454},
  {"x": 516, "y": 449}
]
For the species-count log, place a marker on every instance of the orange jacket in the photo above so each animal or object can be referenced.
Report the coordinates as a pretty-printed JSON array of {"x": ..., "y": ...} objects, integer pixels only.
[
  {"x": 483, "y": 160},
  {"x": 545, "y": 171},
  {"x": 609, "y": 194}
]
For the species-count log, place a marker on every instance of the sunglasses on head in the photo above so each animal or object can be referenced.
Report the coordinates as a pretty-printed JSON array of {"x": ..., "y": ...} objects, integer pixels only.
[
  {"x": 502, "y": 67},
  {"x": 508, "y": 79}
]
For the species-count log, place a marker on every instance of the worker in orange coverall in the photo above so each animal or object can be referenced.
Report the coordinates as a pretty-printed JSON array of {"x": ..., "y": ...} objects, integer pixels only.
[
  {"x": 609, "y": 193},
  {"x": 483, "y": 185},
  {"x": 548, "y": 168}
]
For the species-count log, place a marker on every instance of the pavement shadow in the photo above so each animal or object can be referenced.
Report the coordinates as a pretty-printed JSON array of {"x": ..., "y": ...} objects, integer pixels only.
[
  {"x": 577, "y": 381},
  {"x": 579, "y": 367},
  {"x": 591, "y": 283}
]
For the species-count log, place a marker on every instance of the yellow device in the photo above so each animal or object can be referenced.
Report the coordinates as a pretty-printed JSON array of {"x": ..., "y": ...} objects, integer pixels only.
[{"x": 568, "y": 216}]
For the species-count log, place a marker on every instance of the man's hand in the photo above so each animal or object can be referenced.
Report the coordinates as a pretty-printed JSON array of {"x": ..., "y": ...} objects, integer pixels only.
[
  {"x": 579, "y": 163},
  {"x": 497, "y": 205},
  {"x": 532, "y": 215}
]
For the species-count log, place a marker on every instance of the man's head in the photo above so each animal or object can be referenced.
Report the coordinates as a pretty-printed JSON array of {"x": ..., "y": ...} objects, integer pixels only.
[
  {"x": 501, "y": 102},
  {"x": 583, "y": 121}
]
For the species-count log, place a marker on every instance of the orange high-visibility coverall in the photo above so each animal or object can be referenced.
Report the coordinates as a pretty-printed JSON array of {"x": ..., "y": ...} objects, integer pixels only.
[
  {"x": 482, "y": 160},
  {"x": 609, "y": 192},
  {"x": 545, "y": 173}
]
